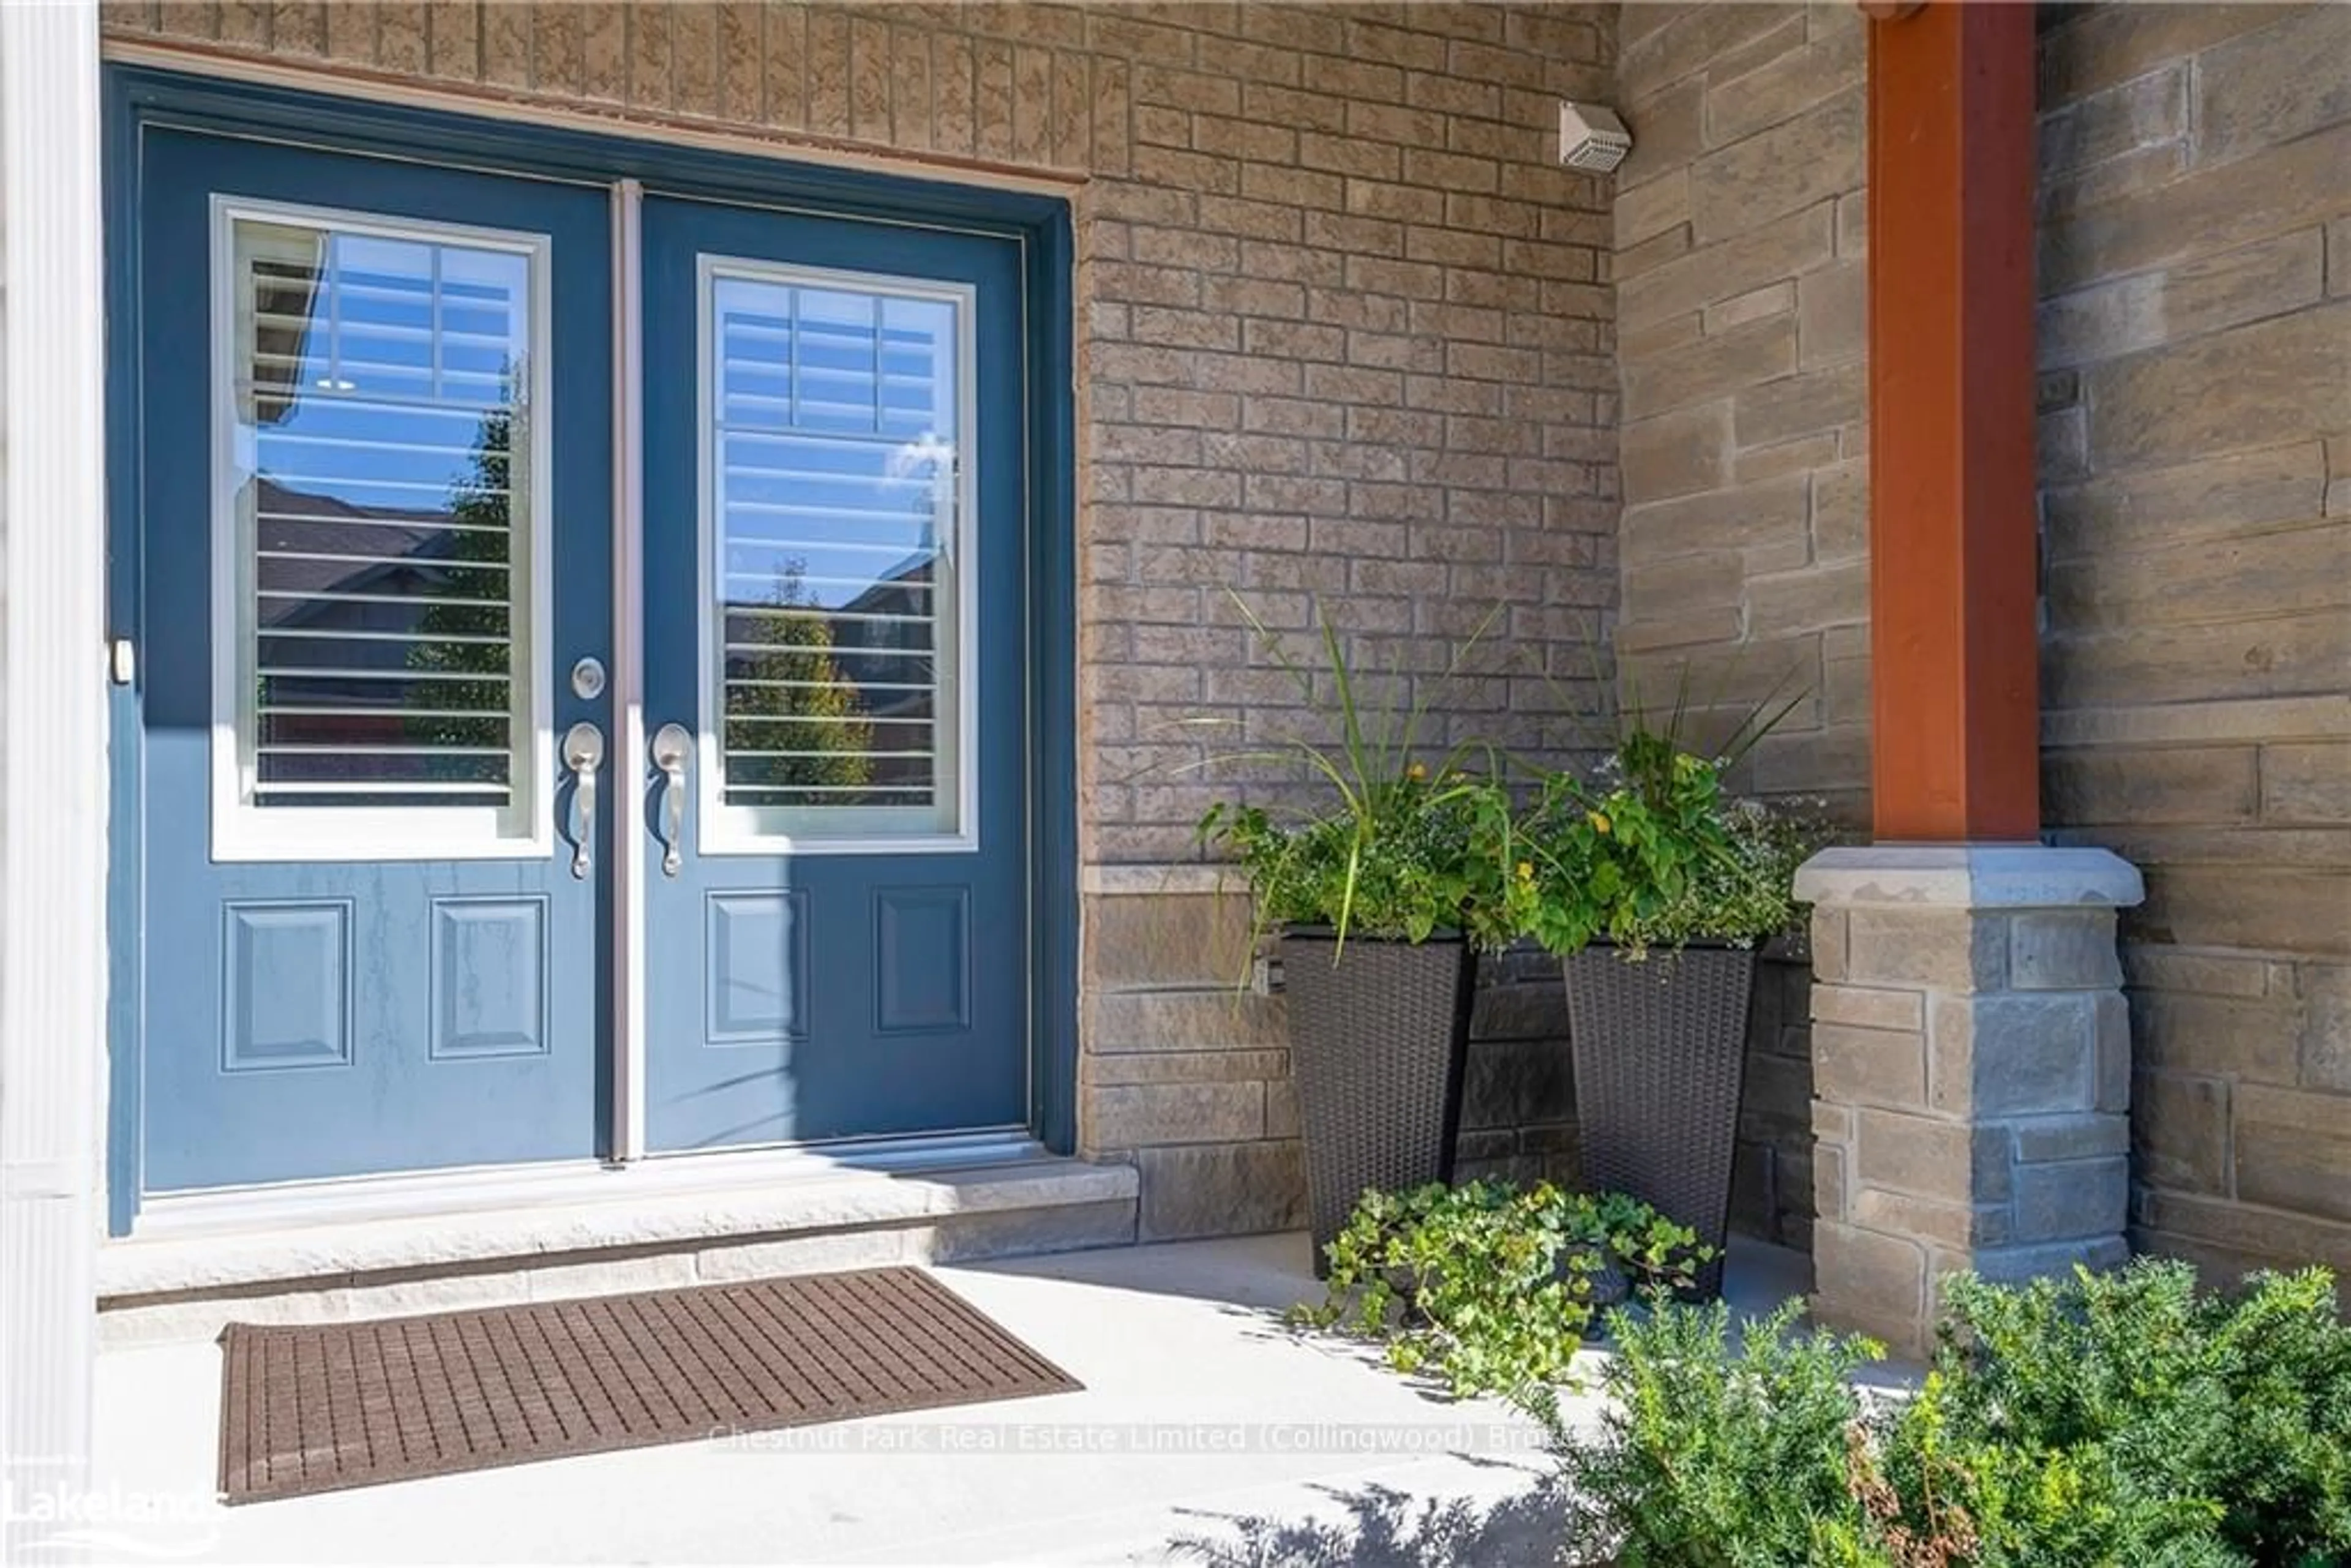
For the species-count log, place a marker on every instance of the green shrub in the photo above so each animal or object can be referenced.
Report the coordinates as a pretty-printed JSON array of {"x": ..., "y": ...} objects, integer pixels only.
[
  {"x": 2176, "y": 1417},
  {"x": 1716, "y": 1453},
  {"x": 1489, "y": 1286},
  {"x": 2085, "y": 1423}
]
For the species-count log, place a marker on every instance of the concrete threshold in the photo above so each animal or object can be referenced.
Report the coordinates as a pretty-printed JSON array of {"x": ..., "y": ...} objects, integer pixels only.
[{"x": 379, "y": 1249}]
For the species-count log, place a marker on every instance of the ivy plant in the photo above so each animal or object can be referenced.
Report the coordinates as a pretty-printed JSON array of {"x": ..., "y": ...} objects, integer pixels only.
[{"x": 1491, "y": 1286}]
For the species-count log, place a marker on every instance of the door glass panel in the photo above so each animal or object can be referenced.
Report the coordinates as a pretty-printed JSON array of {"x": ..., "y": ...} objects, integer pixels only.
[
  {"x": 382, "y": 532},
  {"x": 832, "y": 430}
]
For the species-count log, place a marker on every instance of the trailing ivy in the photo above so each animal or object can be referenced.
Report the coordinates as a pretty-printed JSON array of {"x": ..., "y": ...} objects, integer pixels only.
[{"x": 1491, "y": 1286}]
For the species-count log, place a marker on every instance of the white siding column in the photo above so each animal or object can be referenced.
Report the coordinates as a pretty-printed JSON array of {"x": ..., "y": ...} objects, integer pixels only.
[{"x": 53, "y": 783}]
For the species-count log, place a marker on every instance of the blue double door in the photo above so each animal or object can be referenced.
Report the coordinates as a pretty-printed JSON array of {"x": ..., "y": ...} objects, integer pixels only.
[{"x": 405, "y": 840}]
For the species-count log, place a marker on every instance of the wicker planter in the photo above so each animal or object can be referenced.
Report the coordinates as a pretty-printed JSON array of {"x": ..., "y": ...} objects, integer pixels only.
[
  {"x": 1660, "y": 1049},
  {"x": 1376, "y": 1045}
]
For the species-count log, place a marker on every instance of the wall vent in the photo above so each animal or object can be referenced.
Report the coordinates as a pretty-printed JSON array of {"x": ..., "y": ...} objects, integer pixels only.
[{"x": 1592, "y": 138}]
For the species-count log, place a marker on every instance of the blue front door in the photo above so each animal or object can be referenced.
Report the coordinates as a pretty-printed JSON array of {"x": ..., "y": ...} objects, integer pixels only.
[
  {"x": 378, "y": 774},
  {"x": 836, "y": 592},
  {"x": 373, "y": 538}
]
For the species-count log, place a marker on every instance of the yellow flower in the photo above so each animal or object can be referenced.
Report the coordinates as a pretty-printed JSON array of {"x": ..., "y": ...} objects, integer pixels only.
[
  {"x": 1526, "y": 871},
  {"x": 1598, "y": 821},
  {"x": 1416, "y": 771}
]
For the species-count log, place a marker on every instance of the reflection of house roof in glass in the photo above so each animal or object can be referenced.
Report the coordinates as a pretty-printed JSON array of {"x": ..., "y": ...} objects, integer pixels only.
[
  {"x": 889, "y": 588},
  {"x": 903, "y": 590},
  {"x": 400, "y": 541}
]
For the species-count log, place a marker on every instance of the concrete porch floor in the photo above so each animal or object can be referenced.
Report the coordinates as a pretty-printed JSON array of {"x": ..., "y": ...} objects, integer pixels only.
[{"x": 1206, "y": 1432}]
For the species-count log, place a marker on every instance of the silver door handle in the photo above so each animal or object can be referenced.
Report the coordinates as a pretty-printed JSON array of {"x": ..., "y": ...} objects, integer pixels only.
[
  {"x": 671, "y": 746},
  {"x": 583, "y": 753}
]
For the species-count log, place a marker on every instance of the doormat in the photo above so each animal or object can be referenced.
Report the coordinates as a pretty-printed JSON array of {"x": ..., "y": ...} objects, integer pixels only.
[{"x": 320, "y": 1407}]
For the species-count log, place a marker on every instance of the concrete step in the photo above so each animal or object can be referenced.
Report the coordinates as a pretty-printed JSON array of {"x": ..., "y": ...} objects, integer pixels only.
[{"x": 430, "y": 1244}]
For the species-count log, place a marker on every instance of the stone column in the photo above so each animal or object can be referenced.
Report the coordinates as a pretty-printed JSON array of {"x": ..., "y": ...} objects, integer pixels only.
[{"x": 1971, "y": 1073}]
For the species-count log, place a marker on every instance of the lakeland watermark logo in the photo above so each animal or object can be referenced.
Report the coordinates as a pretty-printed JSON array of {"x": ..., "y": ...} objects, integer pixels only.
[{"x": 51, "y": 1521}]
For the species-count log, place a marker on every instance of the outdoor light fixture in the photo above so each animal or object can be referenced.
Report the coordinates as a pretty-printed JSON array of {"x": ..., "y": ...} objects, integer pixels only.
[{"x": 1592, "y": 138}]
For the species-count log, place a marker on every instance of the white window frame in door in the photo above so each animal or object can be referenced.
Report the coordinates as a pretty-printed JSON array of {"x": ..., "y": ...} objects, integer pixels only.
[
  {"x": 242, "y": 831},
  {"x": 724, "y": 829}
]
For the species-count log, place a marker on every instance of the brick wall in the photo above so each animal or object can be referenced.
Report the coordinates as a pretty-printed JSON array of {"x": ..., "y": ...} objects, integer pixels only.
[
  {"x": 1346, "y": 333},
  {"x": 1738, "y": 266},
  {"x": 2196, "y": 472}
]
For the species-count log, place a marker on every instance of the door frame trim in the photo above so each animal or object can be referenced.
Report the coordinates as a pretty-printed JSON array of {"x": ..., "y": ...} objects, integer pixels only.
[
  {"x": 138, "y": 97},
  {"x": 628, "y": 674}
]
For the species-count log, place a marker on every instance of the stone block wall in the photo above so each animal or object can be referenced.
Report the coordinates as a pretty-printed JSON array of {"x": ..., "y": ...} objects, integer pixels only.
[
  {"x": 1772, "y": 1170},
  {"x": 1344, "y": 335},
  {"x": 1744, "y": 459},
  {"x": 2195, "y": 275},
  {"x": 1740, "y": 309},
  {"x": 1972, "y": 1055},
  {"x": 1518, "y": 1090},
  {"x": 1185, "y": 1070}
]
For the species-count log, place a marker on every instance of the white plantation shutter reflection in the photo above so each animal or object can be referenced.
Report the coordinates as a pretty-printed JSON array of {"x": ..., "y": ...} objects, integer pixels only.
[
  {"x": 381, "y": 448},
  {"x": 832, "y": 454}
]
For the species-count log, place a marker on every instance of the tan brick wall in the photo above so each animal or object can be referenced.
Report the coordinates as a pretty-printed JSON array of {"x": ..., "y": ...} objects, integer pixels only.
[
  {"x": 2196, "y": 471},
  {"x": 1345, "y": 332}
]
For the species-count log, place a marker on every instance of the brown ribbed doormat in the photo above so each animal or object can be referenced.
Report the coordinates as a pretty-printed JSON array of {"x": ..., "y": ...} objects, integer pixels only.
[{"x": 319, "y": 1408}]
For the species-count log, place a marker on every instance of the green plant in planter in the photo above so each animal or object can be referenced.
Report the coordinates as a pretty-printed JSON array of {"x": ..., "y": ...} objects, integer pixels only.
[
  {"x": 1489, "y": 1286},
  {"x": 1653, "y": 853},
  {"x": 1659, "y": 866},
  {"x": 1412, "y": 841}
]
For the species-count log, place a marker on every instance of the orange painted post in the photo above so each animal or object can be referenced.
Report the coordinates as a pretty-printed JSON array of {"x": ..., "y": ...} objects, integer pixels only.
[{"x": 1954, "y": 643}]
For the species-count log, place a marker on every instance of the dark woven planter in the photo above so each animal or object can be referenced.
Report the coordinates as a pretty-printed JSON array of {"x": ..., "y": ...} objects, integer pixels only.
[
  {"x": 1376, "y": 1045},
  {"x": 1660, "y": 1049}
]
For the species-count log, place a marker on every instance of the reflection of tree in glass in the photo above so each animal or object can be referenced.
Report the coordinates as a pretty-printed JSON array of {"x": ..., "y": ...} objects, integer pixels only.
[
  {"x": 791, "y": 696},
  {"x": 479, "y": 550}
]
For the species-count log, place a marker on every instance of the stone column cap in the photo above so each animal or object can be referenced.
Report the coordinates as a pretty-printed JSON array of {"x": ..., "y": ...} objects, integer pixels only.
[{"x": 1969, "y": 876}]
